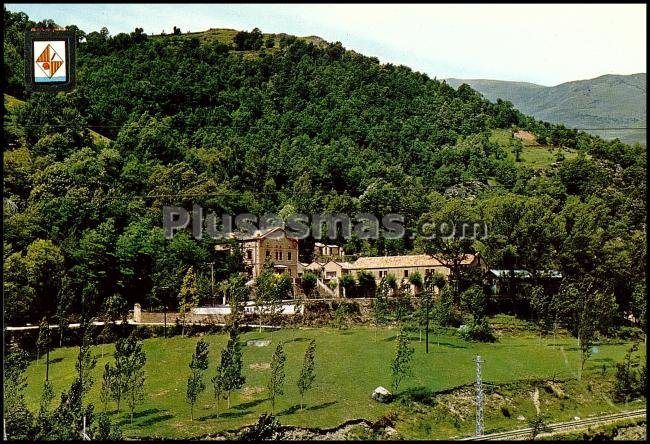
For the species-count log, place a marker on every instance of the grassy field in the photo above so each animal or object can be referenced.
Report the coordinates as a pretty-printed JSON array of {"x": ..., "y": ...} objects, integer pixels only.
[
  {"x": 533, "y": 155},
  {"x": 350, "y": 364},
  {"x": 226, "y": 36}
]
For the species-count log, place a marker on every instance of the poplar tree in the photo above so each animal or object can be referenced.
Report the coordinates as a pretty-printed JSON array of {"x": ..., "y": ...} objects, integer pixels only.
[
  {"x": 188, "y": 297},
  {"x": 198, "y": 366},
  {"x": 231, "y": 366},
  {"x": 129, "y": 368},
  {"x": 276, "y": 380},
  {"x": 217, "y": 385},
  {"x": 307, "y": 374},
  {"x": 401, "y": 366},
  {"x": 106, "y": 393}
]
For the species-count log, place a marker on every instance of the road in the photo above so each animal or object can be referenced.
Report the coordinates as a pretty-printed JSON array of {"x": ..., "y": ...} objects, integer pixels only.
[{"x": 560, "y": 426}]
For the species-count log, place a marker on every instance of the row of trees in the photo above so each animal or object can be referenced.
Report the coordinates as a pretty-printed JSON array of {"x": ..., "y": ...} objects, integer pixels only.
[
  {"x": 125, "y": 379},
  {"x": 229, "y": 376},
  {"x": 70, "y": 418}
]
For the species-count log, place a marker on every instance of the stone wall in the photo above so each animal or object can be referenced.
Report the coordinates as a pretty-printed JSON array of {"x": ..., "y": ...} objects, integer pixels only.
[
  {"x": 155, "y": 317},
  {"x": 316, "y": 312}
]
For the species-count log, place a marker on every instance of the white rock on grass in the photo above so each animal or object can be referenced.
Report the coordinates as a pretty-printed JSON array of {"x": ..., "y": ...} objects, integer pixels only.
[{"x": 380, "y": 394}]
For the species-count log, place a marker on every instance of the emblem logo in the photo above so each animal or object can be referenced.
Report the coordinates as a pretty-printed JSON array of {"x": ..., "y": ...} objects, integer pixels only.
[{"x": 50, "y": 60}]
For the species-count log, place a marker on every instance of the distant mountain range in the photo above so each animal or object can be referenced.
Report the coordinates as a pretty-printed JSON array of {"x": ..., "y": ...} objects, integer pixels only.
[{"x": 609, "y": 101}]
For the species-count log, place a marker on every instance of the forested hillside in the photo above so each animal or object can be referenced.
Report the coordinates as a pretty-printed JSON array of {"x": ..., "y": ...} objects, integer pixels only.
[
  {"x": 609, "y": 101},
  {"x": 283, "y": 125}
]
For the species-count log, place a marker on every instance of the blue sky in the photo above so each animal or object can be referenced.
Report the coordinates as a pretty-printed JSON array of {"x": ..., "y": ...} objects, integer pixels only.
[{"x": 545, "y": 44}]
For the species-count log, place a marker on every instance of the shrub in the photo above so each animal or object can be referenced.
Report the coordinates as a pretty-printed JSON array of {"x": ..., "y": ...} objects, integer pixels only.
[
  {"x": 267, "y": 427},
  {"x": 480, "y": 332}
]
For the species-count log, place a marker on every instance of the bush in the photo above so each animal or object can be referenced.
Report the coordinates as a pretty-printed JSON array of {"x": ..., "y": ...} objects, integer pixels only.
[
  {"x": 418, "y": 394},
  {"x": 267, "y": 427},
  {"x": 629, "y": 380},
  {"x": 480, "y": 332}
]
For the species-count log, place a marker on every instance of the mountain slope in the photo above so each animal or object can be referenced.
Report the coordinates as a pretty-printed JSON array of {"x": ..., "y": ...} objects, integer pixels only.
[{"x": 609, "y": 101}]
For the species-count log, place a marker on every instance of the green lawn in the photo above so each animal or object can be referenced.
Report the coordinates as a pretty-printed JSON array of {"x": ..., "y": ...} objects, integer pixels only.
[
  {"x": 350, "y": 364},
  {"x": 533, "y": 155}
]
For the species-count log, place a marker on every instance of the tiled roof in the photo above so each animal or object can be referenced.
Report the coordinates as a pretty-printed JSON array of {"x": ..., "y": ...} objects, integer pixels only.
[
  {"x": 466, "y": 259},
  {"x": 414, "y": 260},
  {"x": 258, "y": 234},
  {"x": 344, "y": 265},
  {"x": 314, "y": 266}
]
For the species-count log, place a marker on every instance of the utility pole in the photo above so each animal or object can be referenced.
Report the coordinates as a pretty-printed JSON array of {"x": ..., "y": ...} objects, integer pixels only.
[
  {"x": 479, "y": 397},
  {"x": 214, "y": 299},
  {"x": 426, "y": 330},
  {"x": 84, "y": 435},
  {"x": 47, "y": 351}
]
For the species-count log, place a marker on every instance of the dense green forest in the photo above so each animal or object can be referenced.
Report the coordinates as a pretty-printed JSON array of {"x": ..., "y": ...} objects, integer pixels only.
[{"x": 288, "y": 126}]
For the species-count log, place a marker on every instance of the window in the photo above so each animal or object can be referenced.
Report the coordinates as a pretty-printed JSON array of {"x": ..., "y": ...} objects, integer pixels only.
[
  {"x": 383, "y": 273},
  {"x": 268, "y": 253},
  {"x": 406, "y": 273},
  {"x": 288, "y": 255},
  {"x": 249, "y": 254},
  {"x": 280, "y": 254}
]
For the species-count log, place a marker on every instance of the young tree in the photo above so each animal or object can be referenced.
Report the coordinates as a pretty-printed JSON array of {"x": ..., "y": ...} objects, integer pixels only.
[
  {"x": 44, "y": 344},
  {"x": 104, "y": 430},
  {"x": 198, "y": 366},
  {"x": 380, "y": 304},
  {"x": 188, "y": 297},
  {"x": 275, "y": 384},
  {"x": 218, "y": 385},
  {"x": 86, "y": 362},
  {"x": 585, "y": 312},
  {"x": 108, "y": 378},
  {"x": 129, "y": 367},
  {"x": 628, "y": 382},
  {"x": 423, "y": 314},
  {"x": 401, "y": 302},
  {"x": 43, "y": 341},
  {"x": 18, "y": 419},
  {"x": 401, "y": 366},
  {"x": 231, "y": 366},
  {"x": 307, "y": 373},
  {"x": 516, "y": 146},
  {"x": 44, "y": 416},
  {"x": 63, "y": 306}
]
